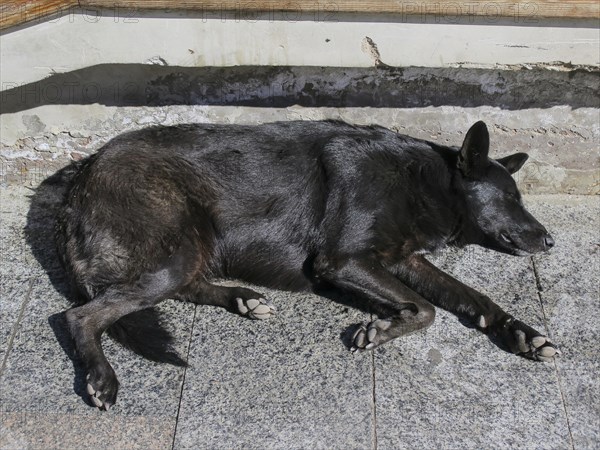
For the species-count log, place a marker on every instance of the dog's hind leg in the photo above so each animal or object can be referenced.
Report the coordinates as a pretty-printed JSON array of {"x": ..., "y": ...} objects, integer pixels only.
[
  {"x": 87, "y": 323},
  {"x": 235, "y": 299},
  {"x": 402, "y": 310}
]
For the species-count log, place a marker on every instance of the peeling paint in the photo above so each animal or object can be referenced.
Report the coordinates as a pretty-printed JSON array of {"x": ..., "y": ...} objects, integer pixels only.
[
  {"x": 369, "y": 47},
  {"x": 157, "y": 61},
  {"x": 558, "y": 66}
]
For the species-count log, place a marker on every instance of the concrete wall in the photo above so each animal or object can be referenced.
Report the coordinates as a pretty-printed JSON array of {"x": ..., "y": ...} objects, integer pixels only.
[
  {"x": 79, "y": 40},
  {"x": 72, "y": 83}
]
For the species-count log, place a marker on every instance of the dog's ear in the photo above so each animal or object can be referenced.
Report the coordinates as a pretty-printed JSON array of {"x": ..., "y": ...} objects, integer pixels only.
[
  {"x": 514, "y": 162},
  {"x": 473, "y": 156}
]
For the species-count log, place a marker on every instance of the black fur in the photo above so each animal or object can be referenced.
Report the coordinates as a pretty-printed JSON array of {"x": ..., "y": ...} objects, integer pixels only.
[{"x": 158, "y": 212}]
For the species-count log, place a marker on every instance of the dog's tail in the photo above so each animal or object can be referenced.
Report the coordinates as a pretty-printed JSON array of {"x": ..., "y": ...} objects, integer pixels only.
[{"x": 142, "y": 332}]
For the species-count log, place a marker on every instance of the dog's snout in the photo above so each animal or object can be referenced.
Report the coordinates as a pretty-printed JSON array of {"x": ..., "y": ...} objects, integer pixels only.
[{"x": 548, "y": 241}]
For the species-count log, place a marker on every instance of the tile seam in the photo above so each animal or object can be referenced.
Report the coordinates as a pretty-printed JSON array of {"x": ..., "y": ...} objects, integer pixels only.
[
  {"x": 373, "y": 400},
  {"x": 16, "y": 326},
  {"x": 539, "y": 289},
  {"x": 187, "y": 358}
]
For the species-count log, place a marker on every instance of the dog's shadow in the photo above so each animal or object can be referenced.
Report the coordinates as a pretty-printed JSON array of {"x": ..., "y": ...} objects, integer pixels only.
[
  {"x": 347, "y": 334},
  {"x": 39, "y": 235}
]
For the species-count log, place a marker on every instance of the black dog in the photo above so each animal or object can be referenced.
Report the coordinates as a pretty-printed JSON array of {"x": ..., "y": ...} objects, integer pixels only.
[{"x": 156, "y": 213}]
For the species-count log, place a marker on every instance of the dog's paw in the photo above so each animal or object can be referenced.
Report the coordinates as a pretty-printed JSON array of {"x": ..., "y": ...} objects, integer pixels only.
[
  {"x": 538, "y": 348},
  {"x": 369, "y": 336},
  {"x": 255, "y": 308},
  {"x": 102, "y": 387},
  {"x": 523, "y": 340}
]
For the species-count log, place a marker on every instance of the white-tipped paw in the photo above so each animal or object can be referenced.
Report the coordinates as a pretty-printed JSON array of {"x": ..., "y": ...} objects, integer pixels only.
[
  {"x": 525, "y": 341},
  {"x": 539, "y": 348},
  {"x": 369, "y": 336},
  {"x": 259, "y": 309},
  {"x": 102, "y": 390}
]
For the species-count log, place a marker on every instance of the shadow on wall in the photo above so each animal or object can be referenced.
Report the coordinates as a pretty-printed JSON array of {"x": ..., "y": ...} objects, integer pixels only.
[{"x": 267, "y": 86}]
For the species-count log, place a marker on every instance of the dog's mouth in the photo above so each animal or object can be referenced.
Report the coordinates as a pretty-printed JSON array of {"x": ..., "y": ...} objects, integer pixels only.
[
  {"x": 511, "y": 246},
  {"x": 506, "y": 238}
]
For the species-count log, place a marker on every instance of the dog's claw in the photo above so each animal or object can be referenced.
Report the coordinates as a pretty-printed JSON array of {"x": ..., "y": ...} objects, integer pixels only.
[
  {"x": 269, "y": 304},
  {"x": 96, "y": 401}
]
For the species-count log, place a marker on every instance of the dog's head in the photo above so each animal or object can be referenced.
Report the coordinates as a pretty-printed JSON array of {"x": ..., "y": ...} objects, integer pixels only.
[{"x": 493, "y": 201}]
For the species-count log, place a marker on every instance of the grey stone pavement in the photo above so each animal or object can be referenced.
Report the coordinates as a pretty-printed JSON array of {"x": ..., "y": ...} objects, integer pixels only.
[{"x": 290, "y": 382}]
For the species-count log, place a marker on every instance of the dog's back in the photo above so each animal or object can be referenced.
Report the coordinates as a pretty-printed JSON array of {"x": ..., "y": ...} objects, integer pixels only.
[{"x": 252, "y": 202}]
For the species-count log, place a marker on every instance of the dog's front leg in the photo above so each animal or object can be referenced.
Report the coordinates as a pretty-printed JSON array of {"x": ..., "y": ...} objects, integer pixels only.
[
  {"x": 446, "y": 292},
  {"x": 402, "y": 310}
]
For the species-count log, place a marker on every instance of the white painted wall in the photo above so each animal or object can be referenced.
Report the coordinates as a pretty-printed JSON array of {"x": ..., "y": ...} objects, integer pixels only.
[
  {"x": 78, "y": 40},
  {"x": 562, "y": 141}
]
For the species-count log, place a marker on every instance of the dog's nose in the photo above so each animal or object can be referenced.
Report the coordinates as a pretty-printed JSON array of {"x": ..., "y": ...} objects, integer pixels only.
[{"x": 548, "y": 241}]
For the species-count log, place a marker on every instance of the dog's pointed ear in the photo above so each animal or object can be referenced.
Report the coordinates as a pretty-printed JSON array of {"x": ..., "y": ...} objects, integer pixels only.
[
  {"x": 514, "y": 162},
  {"x": 473, "y": 156}
]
